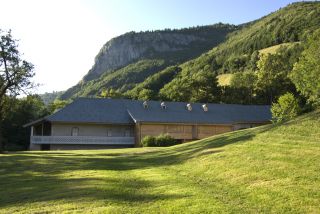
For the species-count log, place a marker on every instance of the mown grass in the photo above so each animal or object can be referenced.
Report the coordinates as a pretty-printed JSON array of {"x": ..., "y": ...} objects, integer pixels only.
[{"x": 270, "y": 169}]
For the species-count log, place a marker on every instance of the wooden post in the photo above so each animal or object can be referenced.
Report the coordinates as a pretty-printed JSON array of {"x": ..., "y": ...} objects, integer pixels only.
[{"x": 137, "y": 134}]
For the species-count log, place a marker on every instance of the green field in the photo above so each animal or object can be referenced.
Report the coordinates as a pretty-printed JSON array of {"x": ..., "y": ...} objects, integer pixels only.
[{"x": 271, "y": 169}]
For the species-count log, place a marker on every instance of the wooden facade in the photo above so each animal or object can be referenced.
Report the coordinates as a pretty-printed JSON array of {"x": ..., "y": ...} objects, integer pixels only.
[{"x": 185, "y": 132}]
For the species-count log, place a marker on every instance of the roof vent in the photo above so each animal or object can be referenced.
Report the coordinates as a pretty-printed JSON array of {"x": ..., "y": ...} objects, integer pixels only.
[
  {"x": 163, "y": 105},
  {"x": 205, "y": 107},
  {"x": 145, "y": 104},
  {"x": 189, "y": 107}
]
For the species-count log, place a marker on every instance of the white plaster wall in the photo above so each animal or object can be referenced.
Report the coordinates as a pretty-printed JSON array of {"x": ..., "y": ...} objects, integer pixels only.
[{"x": 92, "y": 130}]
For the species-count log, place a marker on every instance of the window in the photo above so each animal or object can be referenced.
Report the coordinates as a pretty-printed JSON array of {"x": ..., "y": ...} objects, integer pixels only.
[
  {"x": 127, "y": 133},
  {"x": 75, "y": 131},
  {"x": 109, "y": 132}
]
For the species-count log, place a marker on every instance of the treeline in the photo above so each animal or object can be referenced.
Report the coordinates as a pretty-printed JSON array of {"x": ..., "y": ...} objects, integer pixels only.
[
  {"x": 49, "y": 97},
  {"x": 19, "y": 111}
]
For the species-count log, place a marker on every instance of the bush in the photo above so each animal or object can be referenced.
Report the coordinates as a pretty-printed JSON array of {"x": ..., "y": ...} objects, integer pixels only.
[
  {"x": 286, "y": 108},
  {"x": 165, "y": 140},
  {"x": 148, "y": 141},
  {"x": 160, "y": 141}
]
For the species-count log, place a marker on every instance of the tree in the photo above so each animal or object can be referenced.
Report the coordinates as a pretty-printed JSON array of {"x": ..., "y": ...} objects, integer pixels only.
[
  {"x": 286, "y": 108},
  {"x": 205, "y": 87},
  {"x": 57, "y": 104},
  {"x": 272, "y": 76},
  {"x": 252, "y": 64},
  {"x": 246, "y": 82},
  {"x": 110, "y": 93},
  {"x": 146, "y": 94},
  {"x": 306, "y": 72},
  {"x": 19, "y": 112},
  {"x": 15, "y": 73}
]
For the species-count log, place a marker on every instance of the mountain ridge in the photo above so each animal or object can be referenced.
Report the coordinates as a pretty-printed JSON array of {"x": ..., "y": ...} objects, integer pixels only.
[
  {"x": 234, "y": 51},
  {"x": 172, "y": 46}
]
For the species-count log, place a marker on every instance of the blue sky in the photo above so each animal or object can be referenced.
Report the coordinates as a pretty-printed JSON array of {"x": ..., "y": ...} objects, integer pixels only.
[
  {"x": 143, "y": 14},
  {"x": 62, "y": 37}
]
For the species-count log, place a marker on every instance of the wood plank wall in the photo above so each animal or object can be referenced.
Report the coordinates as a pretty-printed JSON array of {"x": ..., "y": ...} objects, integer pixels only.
[{"x": 183, "y": 132}]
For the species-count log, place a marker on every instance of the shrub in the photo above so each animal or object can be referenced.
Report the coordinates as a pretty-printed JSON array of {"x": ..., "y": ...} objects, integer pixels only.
[
  {"x": 165, "y": 140},
  {"x": 160, "y": 141},
  {"x": 148, "y": 141},
  {"x": 286, "y": 108}
]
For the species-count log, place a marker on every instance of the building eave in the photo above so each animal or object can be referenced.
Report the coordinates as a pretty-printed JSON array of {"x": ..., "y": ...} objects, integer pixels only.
[{"x": 43, "y": 119}]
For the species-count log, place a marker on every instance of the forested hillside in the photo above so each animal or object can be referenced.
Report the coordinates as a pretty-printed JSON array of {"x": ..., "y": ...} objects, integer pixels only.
[
  {"x": 130, "y": 58},
  {"x": 153, "y": 65},
  {"x": 290, "y": 25}
]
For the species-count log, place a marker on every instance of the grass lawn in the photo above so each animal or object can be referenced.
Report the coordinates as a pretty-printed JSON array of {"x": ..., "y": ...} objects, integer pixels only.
[{"x": 270, "y": 169}]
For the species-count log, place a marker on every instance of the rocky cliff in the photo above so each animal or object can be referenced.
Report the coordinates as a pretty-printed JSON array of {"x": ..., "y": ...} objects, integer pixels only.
[
  {"x": 122, "y": 50},
  {"x": 172, "y": 46}
]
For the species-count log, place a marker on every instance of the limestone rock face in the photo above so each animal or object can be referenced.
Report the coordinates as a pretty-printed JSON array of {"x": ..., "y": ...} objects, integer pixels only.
[
  {"x": 171, "y": 47},
  {"x": 122, "y": 50}
]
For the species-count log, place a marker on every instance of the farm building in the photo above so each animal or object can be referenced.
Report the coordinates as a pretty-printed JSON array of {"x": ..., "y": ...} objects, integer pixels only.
[{"x": 93, "y": 123}]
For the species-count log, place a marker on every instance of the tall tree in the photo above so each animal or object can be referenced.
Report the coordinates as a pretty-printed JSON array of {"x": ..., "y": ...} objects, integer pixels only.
[
  {"x": 306, "y": 72},
  {"x": 19, "y": 112},
  {"x": 15, "y": 73},
  {"x": 272, "y": 76},
  {"x": 244, "y": 81}
]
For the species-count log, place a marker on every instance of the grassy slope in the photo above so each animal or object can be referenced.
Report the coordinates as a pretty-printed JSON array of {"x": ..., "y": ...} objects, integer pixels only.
[
  {"x": 267, "y": 169},
  {"x": 224, "y": 79},
  {"x": 275, "y": 48}
]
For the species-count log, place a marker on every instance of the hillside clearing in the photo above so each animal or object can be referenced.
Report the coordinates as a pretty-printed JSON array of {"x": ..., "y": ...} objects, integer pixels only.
[
  {"x": 224, "y": 79},
  {"x": 267, "y": 169},
  {"x": 275, "y": 48}
]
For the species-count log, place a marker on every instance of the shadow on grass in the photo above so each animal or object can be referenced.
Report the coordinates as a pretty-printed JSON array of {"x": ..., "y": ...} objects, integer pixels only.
[
  {"x": 52, "y": 188},
  {"x": 36, "y": 176}
]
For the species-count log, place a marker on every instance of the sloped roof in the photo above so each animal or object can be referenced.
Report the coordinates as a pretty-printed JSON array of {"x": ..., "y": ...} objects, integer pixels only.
[
  {"x": 93, "y": 110},
  {"x": 124, "y": 111},
  {"x": 176, "y": 112}
]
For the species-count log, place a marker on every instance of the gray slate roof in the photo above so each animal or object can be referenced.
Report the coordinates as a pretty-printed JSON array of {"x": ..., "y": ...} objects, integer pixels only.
[
  {"x": 93, "y": 110},
  {"x": 176, "y": 112},
  {"x": 123, "y": 111}
]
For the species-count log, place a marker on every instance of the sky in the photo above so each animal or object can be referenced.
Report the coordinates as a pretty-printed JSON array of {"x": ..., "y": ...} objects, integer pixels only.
[{"x": 62, "y": 37}]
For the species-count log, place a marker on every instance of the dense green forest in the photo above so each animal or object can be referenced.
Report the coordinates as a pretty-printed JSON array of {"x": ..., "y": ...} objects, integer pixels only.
[{"x": 240, "y": 53}]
